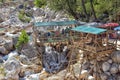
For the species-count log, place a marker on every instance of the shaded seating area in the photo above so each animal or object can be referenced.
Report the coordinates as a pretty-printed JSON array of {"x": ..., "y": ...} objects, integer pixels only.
[
  {"x": 111, "y": 29},
  {"x": 54, "y": 31},
  {"x": 92, "y": 39},
  {"x": 54, "y": 37}
]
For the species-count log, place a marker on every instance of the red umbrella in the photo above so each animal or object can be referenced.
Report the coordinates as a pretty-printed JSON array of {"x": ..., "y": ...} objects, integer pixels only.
[{"x": 109, "y": 25}]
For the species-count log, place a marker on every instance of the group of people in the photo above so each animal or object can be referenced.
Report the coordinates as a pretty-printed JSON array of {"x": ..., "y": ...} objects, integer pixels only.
[{"x": 56, "y": 33}]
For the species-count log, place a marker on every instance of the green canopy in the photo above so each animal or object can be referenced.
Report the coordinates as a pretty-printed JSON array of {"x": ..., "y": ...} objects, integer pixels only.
[
  {"x": 88, "y": 29},
  {"x": 60, "y": 23}
]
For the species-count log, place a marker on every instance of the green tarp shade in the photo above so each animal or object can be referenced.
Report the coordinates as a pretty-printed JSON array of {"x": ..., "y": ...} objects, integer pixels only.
[
  {"x": 60, "y": 23},
  {"x": 88, "y": 29}
]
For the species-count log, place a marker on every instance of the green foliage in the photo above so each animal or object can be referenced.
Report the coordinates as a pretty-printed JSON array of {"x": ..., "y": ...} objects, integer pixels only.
[
  {"x": 40, "y": 3},
  {"x": 23, "y": 39},
  {"x": 2, "y": 1},
  {"x": 2, "y": 70},
  {"x": 74, "y": 7},
  {"x": 29, "y": 14},
  {"x": 65, "y": 5},
  {"x": 68, "y": 6},
  {"x": 24, "y": 16}
]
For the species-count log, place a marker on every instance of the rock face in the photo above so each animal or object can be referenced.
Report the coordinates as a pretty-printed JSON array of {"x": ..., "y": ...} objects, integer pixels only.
[{"x": 46, "y": 15}]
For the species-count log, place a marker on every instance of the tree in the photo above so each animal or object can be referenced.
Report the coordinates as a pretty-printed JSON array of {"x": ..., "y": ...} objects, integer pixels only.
[
  {"x": 40, "y": 3},
  {"x": 68, "y": 6},
  {"x": 22, "y": 40},
  {"x": 93, "y": 11},
  {"x": 84, "y": 9}
]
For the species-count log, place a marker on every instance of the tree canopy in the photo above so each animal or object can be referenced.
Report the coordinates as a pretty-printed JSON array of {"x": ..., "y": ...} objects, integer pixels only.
[{"x": 84, "y": 9}]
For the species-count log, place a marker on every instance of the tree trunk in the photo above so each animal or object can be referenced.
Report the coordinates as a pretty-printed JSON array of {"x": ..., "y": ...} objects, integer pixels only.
[
  {"x": 93, "y": 11},
  {"x": 72, "y": 12},
  {"x": 84, "y": 9}
]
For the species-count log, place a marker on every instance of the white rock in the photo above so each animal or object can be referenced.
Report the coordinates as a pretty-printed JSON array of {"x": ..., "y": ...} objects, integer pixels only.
[
  {"x": 110, "y": 61},
  {"x": 12, "y": 55},
  {"x": 9, "y": 34},
  {"x": 33, "y": 77},
  {"x": 91, "y": 78},
  {"x": 83, "y": 73},
  {"x": 105, "y": 66}
]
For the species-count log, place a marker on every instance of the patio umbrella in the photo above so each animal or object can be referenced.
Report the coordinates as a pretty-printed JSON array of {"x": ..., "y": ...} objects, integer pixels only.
[
  {"x": 94, "y": 24},
  {"x": 117, "y": 28},
  {"x": 109, "y": 25}
]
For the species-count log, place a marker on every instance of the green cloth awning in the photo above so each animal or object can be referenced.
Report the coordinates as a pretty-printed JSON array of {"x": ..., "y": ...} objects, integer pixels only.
[
  {"x": 88, "y": 29},
  {"x": 60, "y": 23}
]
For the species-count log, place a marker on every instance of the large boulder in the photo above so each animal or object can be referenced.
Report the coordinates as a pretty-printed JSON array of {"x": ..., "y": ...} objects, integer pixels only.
[
  {"x": 116, "y": 56},
  {"x": 105, "y": 66},
  {"x": 104, "y": 76},
  {"x": 29, "y": 51},
  {"x": 3, "y": 50},
  {"x": 114, "y": 68},
  {"x": 12, "y": 69},
  {"x": 8, "y": 45}
]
